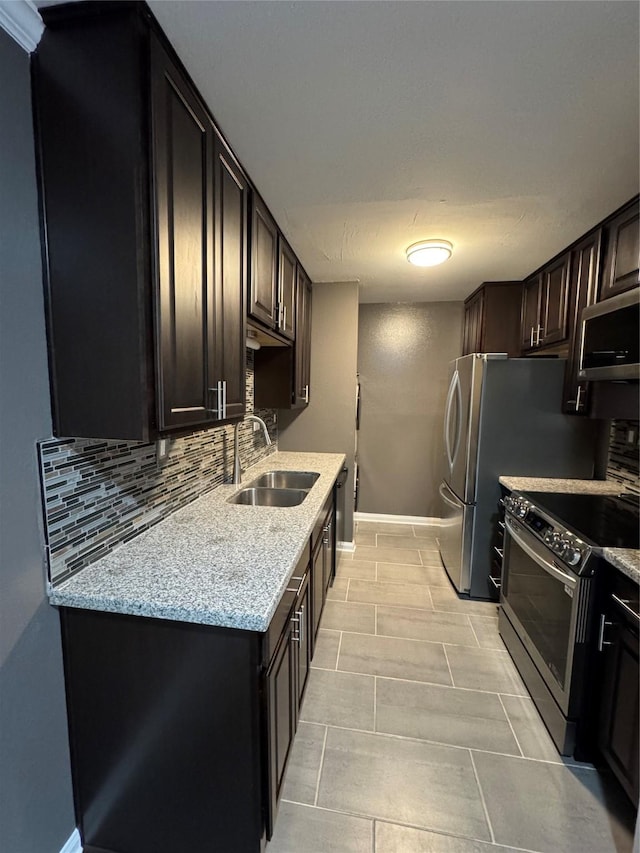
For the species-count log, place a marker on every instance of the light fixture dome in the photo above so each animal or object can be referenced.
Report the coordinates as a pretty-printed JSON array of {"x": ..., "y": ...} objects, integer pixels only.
[{"x": 429, "y": 253}]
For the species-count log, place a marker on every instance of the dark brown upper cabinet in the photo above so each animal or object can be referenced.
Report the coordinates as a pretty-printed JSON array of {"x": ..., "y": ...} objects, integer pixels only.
[
  {"x": 492, "y": 318},
  {"x": 531, "y": 291},
  {"x": 287, "y": 282},
  {"x": 554, "y": 302},
  {"x": 144, "y": 231},
  {"x": 621, "y": 264},
  {"x": 302, "y": 346},
  {"x": 231, "y": 261},
  {"x": 545, "y": 301},
  {"x": 263, "y": 287},
  {"x": 183, "y": 162},
  {"x": 583, "y": 286}
]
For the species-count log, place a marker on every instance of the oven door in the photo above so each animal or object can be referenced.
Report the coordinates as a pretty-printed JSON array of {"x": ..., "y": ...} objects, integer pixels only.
[{"x": 547, "y": 606}]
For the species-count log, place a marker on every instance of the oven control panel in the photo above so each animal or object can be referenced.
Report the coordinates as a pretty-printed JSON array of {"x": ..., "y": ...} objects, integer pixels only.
[{"x": 563, "y": 544}]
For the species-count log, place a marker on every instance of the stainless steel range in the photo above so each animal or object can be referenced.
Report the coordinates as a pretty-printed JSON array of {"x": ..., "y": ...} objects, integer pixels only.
[{"x": 552, "y": 552}]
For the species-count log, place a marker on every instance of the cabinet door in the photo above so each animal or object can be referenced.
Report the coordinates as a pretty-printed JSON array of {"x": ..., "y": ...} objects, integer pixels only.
[
  {"x": 555, "y": 290},
  {"x": 623, "y": 250},
  {"x": 530, "y": 312},
  {"x": 304, "y": 629},
  {"x": 317, "y": 591},
  {"x": 263, "y": 285},
  {"x": 286, "y": 290},
  {"x": 585, "y": 269},
  {"x": 231, "y": 279},
  {"x": 620, "y": 721},
  {"x": 472, "y": 340},
  {"x": 302, "y": 353},
  {"x": 183, "y": 153},
  {"x": 281, "y": 717}
]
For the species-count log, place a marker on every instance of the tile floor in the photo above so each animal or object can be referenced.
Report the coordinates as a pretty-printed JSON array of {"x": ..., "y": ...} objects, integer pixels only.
[{"x": 417, "y": 734}]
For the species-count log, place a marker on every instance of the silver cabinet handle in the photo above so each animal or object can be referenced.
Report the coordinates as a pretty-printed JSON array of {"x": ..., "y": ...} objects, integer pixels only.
[
  {"x": 298, "y": 620},
  {"x": 531, "y": 337},
  {"x": 601, "y": 640},
  {"x": 578, "y": 396},
  {"x": 539, "y": 331},
  {"x": 305, "y": 393},
  {"x": 621, "y": 602},
  {"x": 284, "y": 316},
  {"x": 220, "y": 391}
]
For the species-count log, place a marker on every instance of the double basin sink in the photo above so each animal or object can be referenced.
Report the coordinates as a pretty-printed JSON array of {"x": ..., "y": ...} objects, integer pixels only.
[{"x": 276, "y": 488}]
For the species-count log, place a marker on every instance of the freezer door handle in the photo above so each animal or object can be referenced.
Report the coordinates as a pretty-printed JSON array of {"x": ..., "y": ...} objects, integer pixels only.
[
  {"x": 445, "y": 491},
  {"x": 458, "y": 391}
]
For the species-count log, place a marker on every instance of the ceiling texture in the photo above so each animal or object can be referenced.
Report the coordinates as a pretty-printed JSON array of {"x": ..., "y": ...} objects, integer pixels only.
[{"x": 507, "y": 128}]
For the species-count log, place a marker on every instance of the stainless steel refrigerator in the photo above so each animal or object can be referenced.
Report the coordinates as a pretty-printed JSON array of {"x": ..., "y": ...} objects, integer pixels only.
[{"x": 502, "y": 416}]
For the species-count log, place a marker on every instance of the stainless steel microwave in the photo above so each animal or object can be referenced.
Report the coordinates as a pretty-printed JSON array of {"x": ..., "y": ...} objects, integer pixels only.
[{"x": 610, "y": 333}]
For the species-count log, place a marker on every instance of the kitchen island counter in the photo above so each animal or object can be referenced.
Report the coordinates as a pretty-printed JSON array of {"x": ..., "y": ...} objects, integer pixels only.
[{"x": 210, "y": 562}]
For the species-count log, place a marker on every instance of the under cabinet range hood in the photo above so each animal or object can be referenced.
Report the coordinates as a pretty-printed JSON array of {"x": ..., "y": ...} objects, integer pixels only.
[{"x": 610, "y": 337}]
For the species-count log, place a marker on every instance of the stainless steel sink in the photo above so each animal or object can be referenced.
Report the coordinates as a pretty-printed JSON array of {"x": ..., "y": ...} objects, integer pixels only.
[
  {"x": 268, "y": 497},
  {"x": 286, "y": 479}
]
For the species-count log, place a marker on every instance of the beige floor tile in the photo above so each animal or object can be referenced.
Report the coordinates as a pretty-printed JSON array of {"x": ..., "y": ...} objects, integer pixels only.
[
  {"x": 395, "y": 658},
  {"x": 325, "y": 654},
  {"x": 304, "y": 829},
  {"x": 349, "y": 616},
  {"x": 425, "y": 625},
  {"x": 380, "y": 592},
  {"x": 444, "y": 715},
  {"x": 424, "y": 531},
  {"x": 444, "y": 598},
  {"x": 365, "y": 538},
  {"x": 304, "y": 763},
  {"x": 339, "y": 699},
  {"x": 432, "y": 558},
  {"x": 363, "y": 569},
  {"x": 338, "y": 589},
  {"x": 408, "y": 574},
  {"x": 392, "y": 838},
  {"x": 407, "y": 540},
  {"x": 484, "y": 669},
  {"x": 409, "y": 556},
  {"x": 382, "y": 527},
  {"x": 486, "y": 630},
  {"x": 405, "y": 781}
]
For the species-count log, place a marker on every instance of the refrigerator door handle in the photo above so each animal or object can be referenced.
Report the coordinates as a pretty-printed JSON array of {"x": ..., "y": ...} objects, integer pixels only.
[
  {"x": 444, "y": 494},
  {"x": 447, "y": 418},
  {"x": 458, "y": 391}
]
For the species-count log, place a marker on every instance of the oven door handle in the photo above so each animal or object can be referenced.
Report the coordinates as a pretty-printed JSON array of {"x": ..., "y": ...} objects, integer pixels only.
[{"x": 550, "y": 568}]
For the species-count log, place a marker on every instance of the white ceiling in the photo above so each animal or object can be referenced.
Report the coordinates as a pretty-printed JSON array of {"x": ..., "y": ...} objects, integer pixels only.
[{"x": 508, "y": 128}]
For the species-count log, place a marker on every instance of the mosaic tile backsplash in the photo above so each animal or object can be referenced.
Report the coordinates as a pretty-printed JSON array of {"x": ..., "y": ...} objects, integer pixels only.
[
  {"x": 624, "y": 455},
  {"x": 98, "y": 494}
]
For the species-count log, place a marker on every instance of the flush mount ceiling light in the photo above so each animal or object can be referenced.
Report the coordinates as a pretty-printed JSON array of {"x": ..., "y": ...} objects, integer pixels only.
[{"x": 429, "y": 253}]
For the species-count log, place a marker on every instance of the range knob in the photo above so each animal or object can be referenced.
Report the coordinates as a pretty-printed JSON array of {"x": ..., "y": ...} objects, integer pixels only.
[
  {"x": 521, "y": 509},
  {"x": 573, "y": 556}
]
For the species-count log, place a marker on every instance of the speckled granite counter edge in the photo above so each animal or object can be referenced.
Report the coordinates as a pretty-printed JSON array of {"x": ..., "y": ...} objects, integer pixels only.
[
  {"x": 568, "y": 486},
  {"x": 626, "y": 560},
  {"x": 211, "y": 562}
]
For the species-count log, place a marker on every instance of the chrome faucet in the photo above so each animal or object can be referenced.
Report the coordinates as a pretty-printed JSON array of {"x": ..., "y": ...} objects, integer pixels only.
[{"x": 237, "y": 468}]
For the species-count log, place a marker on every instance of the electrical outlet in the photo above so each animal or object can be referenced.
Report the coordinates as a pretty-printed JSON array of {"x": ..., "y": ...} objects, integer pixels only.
[
  {"x": 162, "y": 449},
  {"x": 256, "y": 426},
  {"x": 631, "y": 436}
]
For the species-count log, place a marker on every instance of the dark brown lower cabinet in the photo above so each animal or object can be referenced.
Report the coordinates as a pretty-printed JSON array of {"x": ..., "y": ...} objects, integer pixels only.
[
  {"x": 180, "y": 733},
  {"x": 619, "y": 721}
]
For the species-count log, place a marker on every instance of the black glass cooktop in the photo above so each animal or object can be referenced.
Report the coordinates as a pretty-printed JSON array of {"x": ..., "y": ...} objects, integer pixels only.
[{"x": 607, "y": 521}]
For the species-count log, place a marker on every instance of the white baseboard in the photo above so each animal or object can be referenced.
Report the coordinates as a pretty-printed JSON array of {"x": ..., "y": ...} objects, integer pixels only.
[
  {"x": 345, "y": 546},
  {"x": 396, "y": 519},
  {"x": 73, "y": 844}
]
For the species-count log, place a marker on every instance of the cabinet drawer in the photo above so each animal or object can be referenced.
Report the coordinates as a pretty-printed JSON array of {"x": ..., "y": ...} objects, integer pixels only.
[{"x": 283, "y": 610}]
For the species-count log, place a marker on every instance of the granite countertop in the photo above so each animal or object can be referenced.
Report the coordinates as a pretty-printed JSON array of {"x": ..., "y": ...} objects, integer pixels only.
[
  {"x": 549, "y": 484},
  {"x": 211, "y": 562},
  {"x": 627, "y": 560}
]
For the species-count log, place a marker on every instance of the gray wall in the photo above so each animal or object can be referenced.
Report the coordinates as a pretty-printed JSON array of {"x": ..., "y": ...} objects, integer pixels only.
[
  {"x": 328, "y": 422},
  {"x": 403, "y": 356},
  {"x": 36, "y": 809}
]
